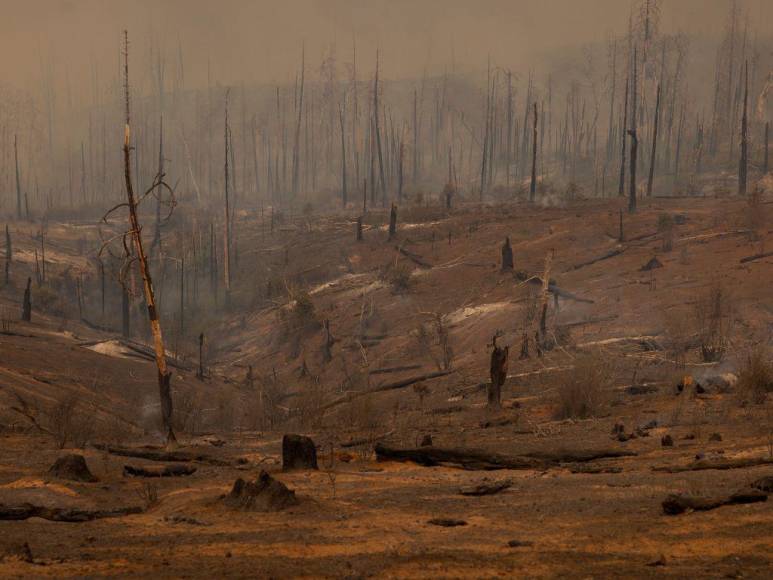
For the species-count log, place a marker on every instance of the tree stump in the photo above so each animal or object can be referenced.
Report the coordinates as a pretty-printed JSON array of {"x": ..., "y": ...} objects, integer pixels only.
[
  {"x": 266, "y": 494},
  {"x": 26, "y": 312},
  {"x": 298, "y": 452},
  {"x": 393, "y": 222},
  {"x": 72, "y": 467},
  {"x": 507, "y": 255},
  {"x": 498, "y": 374}
]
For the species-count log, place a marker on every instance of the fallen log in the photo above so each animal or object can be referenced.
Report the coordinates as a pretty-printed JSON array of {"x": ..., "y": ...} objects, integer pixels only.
[
  {"x": 446, "y": 522},
  {"x": 487, "y": 488},
  {"x": 470, "y": 459},
  {"x": 474, "y": 459},
  {"x": 154, "y": 454},
  {"x": 158, "y": 471},
  {"x": 704, "y": 464},
  {"x": 579, "y": 455},
  {"x": 714, "y": 235},
  {"x": 676, "y": 504},
  {"x": 387, "y": 387},
  {"x": 415, "y": 258},
  {"x": 388, "y": 370},
  {"x": 756, "y": 257},
  {"x": 594, "y": 469},
  {"x": 27, "y": 510},
  {"x": 366, "y": 440},
  {"x": 607, "y": 256}
]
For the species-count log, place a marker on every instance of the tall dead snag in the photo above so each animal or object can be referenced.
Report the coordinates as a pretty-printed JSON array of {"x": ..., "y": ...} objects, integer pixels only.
[
  {"x": 634, "y": 142},
  {"x": 393, "y": 222},
  {"x": 542, "y": 336},
  {"x": 507, "y": 255},
  {"x": 135, "y": 232},
  {"x": 744, "y": 162},
  {"x": 377, "y": 130},
  {"x": 533, "y": 188},
  {"x": 8, "y": 255},
  {"x": 654, "y": 143},
  {"x": 764, "y": 161},
  {"x": 18, "y": 179},
  {"x": 343, "y": 156},
  {"x": 621, "y": 186},
  {"x": 296, "y": 144},
  {"x": 498, "y": 374},
  {"x": 26, "y": 310},
  {"x": 227, "y": 241}
]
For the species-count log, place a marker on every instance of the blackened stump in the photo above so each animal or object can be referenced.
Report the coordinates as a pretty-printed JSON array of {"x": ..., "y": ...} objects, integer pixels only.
[
  {"x": 72, "y": 467},
  {"x": 298, "y": 452}
]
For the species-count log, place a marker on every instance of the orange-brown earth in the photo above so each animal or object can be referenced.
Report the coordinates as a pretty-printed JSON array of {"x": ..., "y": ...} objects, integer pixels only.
[{"x": 359, "y": 517}]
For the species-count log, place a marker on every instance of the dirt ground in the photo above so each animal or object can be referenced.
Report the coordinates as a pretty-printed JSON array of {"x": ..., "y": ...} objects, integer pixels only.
[{"x": 359, "y": 517}]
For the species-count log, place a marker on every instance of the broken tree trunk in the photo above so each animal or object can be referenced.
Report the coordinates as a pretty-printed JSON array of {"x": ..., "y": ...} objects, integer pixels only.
[
  {"x": 704, "y": 464},
  {"x": 26, "y": 311},
  {"x": 756, "y": 257},
  {"x": 298, "y": 452},
  {"x": 387, "y": 387},
  {"x": 393, "y": 222},
  {"x": 677, "y": 504},
  {"x": 463, "y": 458},
  {"x": 158, "y": 471},
  {"x": 498, "y": 374},
  {"x": 610, "y": 254},
  {"x": 72, "y": 515},
  {"x": 507, "y": 255},
  {"x": 162, "y": 455},
  {"x": 474, "y": 459}
]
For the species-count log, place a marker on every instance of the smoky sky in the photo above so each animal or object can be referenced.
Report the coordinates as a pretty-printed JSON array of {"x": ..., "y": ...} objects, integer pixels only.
[{"x": 250, "y": 41}]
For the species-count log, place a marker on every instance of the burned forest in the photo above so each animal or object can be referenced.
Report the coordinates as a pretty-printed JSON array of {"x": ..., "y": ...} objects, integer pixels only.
[{"x": 389, "y": 288}]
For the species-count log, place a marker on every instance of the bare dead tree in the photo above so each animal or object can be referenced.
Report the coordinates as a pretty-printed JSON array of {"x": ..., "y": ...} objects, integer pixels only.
[
  {"x": 26, "y": 311},
  {"x": 533, "y": 188},
  {"x": 621, "y": 186},
  {"x": 498, "y": 374},
  {"x": 18, "y": 179},
  {"x": 744, "y": 162},
  {"x": 634, "y": 141},
  {"x": 139, "y": 256},
  {"x": 654, "y": 143},
  {"x": 343, "y": 155}
]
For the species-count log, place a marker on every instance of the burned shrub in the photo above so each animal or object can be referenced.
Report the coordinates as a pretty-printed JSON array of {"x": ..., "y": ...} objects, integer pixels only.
[
  {"x": 666, "y": 230},
  {"x": 755, "y": 378},
  {"x": 714, "y": 318},
  {"x": 298, "y": 318},
  {"x": 582, "y": 391},
  {"x": 398, "y": 276}
]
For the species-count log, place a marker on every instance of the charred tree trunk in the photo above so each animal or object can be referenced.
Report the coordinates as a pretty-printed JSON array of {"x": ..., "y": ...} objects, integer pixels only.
[
  {"x": 507, "y": 255},
  {"x": 498, "y": 373},
  {"x": 632, "y": 186},
  {"x": 744, "y": 162},
  {"x": 621, "y": 187},
  {"x": 654, "y": 143},
  {"x": 164, "y": 376},
  {"x": 343, "y": 156},
  {"x": 393, "y": 222},
  {"x": 26, "y": 311},
  {"x": 533, "y": 188},
  {"x": 18, "y": 179}
]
